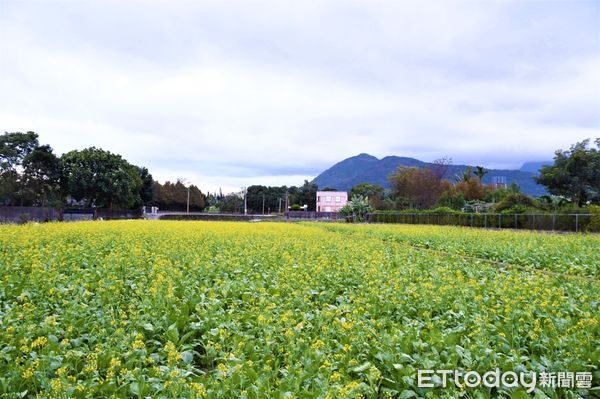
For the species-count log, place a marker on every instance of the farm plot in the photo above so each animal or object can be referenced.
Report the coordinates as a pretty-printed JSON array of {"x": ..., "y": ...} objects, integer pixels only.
[
  {"x": 217, "y": 309},
  {"x": 573, "y": 254}
]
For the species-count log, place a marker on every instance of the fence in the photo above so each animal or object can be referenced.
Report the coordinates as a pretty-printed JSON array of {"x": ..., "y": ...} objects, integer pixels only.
[
  {"x": 21, "y": 214},
  {"x": 99, "y": 213},
  {"x": 554, "y": 222},
  {"x": 110, "y": 214},
  {"x": 311, "y": 215},
  {"x": 238, "y": 217}
]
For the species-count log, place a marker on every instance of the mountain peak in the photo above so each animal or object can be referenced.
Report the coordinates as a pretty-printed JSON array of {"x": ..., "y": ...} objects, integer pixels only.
[
  {"x": 534, "y": 167},
  {"x": 364, "y": 156}
]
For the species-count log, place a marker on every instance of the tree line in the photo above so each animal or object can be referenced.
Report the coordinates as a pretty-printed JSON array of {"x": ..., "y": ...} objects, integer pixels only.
[
  {"x": 32, "y": 175},
  {"x": 267, "y": 199},
  {"x": 176, "y": 196},
  {"x": 572, "y": 181}
]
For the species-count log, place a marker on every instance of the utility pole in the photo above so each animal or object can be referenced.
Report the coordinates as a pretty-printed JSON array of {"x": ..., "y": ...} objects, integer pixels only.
[
  {"x": 245, "y": 203},
  {"x": 287, "y": 205},
  {"x": 263, "y": 204},
  {"x": 183, "y": 181},
  {"x": 188, "y": 200},
  {"x": 279, "y": 205}
]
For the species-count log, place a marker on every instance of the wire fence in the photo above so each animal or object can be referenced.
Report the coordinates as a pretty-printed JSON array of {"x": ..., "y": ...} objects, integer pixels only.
[{"x": 553, "y": 222}]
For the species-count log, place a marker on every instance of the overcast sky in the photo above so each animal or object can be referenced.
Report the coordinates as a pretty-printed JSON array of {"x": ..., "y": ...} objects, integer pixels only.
[{"x": 228, "y": 94}]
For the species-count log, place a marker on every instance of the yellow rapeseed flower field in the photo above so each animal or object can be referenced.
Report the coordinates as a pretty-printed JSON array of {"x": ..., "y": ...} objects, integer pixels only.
[{"x": 254, "y": 310}]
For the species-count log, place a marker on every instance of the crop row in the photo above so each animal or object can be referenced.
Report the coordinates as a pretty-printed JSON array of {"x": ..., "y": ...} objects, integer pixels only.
[{"x": 571, "y": 254}]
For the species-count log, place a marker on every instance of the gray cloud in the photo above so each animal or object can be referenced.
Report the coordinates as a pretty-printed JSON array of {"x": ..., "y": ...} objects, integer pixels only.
[{"x": 235, "y": 93}]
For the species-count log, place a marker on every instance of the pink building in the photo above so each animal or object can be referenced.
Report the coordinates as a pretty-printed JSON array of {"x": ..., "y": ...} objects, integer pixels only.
[{"x": 331, "y": 201}]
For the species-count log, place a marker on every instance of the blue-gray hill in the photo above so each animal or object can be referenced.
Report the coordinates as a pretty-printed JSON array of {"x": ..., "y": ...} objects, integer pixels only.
[{"x": 365, "y": 168}]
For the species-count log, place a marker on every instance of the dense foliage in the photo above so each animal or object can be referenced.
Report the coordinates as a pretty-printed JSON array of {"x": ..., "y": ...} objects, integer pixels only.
[
  {"x": 31, "y": 174},
  {"x": 269, "y": 199},
  {"x": 573, "y": 181},
  {"x": 575, "y": 173},
  {"x": 206, "y": 309},
  {"x": 356, "y": 209},
  {"x": 175, "y": 196},
  {"x": 101, "y": 178},
  {"x": 373, "y": 192},
  {"x": 417, "y": 187}
]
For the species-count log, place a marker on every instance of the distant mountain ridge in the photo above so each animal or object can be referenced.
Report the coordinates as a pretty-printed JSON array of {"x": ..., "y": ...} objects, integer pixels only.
[
  {"x": 534, "y": 167},
  {"x": 365, "y": 168}
]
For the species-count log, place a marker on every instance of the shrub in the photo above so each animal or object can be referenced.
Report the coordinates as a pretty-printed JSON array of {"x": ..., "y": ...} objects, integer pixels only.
[
  {"x": 24, "y": 218},
  {"x": 441, "y": 210},
  {"x": 594, "y": 224},
  {"x": 511, "y": 201},
  {"x": 455, "y": 201}
]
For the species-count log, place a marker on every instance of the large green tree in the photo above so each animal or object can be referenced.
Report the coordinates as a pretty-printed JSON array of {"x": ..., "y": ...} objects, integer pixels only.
[
  {"x": 14, "y": 147},
  {"x": 147, "y": 189},
  {"x": 575, "y": 173},
  {"x": 101, "y": 179},
  {"x": 42, "y": 176},
  {"x": 306, "y": 195},
  {"x": 232, "y": 203}
]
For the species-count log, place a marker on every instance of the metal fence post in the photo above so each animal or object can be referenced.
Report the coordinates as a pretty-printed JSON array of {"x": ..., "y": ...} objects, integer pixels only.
[{"x": 533, "y": 222}]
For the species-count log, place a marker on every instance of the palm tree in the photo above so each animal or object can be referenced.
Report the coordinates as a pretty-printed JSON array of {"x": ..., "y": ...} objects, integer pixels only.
[
  {"x": 465, "y": 176},
  {"x": 357, "y": 209},
  {"x": 480, "y": 172}
]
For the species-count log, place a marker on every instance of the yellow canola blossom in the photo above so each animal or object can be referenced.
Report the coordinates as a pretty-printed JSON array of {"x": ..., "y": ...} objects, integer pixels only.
[{"x": 218, "y": 309}]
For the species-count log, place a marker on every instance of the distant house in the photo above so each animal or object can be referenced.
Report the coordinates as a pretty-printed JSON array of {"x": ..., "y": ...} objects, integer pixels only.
[{"x": 331, "y": 201}]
